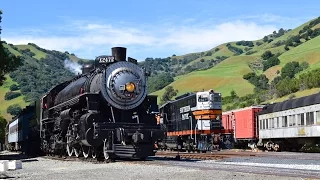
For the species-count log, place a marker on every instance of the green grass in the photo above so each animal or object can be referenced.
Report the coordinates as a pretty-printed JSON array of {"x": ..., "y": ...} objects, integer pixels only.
[
  {"x": 75, "y": 58},
  {"x": 296, "y": 95},
  {"x": 308, "y": 51},
  {"x": 4, "y": 104},
  {"x": 284, "y": 98},
  {"x": 228, "y": 74},
  {"x": 16, "y": 53},
  {"x": 221, "y": 78},
  {"x": 38, "y": 54},
  {"x": 223, "y": 51}
]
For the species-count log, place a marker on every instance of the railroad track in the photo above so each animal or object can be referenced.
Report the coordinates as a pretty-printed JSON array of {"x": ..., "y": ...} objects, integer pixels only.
[
  {"x": 204, "y": 156},
  {"x": 159, "y": 154},
  {"x": 74, "y": 158}
]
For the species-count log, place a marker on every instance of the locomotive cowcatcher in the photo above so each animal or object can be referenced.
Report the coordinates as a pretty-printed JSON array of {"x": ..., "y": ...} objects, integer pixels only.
[{"x": 103, "y": 112}]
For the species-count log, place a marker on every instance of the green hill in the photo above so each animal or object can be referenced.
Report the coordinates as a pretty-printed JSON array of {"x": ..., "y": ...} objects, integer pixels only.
[
  {"x": 41, "y": 70},
  {"x": 221, "y": 68},
  {"x": 300, "y": 44}
]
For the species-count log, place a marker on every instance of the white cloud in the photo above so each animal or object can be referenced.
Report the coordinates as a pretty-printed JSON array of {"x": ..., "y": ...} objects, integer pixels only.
[
  {"x": 270, "y": 18},
  {"x": 87, "y": 39},
  {"x": 203, "y": 38}
]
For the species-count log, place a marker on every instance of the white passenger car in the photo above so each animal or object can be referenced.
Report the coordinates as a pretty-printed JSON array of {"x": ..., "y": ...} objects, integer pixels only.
[{"x": 290, "y": 124}]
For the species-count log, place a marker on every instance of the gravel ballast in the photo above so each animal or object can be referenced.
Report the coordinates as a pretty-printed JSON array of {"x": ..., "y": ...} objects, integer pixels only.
[{"x": 44, "y": 168}]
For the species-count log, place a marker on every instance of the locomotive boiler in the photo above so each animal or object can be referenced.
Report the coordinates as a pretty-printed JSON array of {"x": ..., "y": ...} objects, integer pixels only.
[{"x": 104, "y": 112}]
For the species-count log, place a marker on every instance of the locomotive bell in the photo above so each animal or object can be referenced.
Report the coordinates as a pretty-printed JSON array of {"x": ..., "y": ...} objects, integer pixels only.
[
  {"x": 86, "y": 68},
  {"x": 120, "y": 53}
]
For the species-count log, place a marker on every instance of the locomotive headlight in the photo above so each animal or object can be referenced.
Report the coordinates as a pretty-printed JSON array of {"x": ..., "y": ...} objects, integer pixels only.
[{"x": 130, "y": 87}]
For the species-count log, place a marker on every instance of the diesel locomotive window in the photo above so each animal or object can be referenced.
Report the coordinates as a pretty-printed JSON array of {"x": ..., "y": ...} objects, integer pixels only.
[
  {"x": 194, "y": 101},
  {"x": 217, "y": 99},
  {"x": 202, "y": 99}
]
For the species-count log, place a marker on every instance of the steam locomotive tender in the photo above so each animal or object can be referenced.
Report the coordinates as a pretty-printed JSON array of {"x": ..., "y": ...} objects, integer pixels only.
[{"x": 104, "y": 112}]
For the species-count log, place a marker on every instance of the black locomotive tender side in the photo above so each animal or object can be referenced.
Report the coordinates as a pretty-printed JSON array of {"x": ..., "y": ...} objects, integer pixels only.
[{"x": 104, "y": 112}]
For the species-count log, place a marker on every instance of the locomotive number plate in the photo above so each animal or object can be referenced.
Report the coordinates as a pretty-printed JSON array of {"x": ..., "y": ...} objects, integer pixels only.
[{"x": 106, "y": 59}]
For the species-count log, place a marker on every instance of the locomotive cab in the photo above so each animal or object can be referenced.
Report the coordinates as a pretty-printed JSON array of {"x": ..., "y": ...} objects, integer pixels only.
[{"x": 208, "y": 100}]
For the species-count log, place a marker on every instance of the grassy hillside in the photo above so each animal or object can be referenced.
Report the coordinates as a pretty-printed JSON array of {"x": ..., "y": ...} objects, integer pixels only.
[
  {"x": 38, "y": 54},
  {"x": 31, "y": 53},
  {"x": 308, "y": 51},
  {"x": 220, "y": 78},
  {"x": 220, "y": 68},
  {"x": 5, "y": 103},
  {"x": 295, "y": 95},
  {"x": 228, "y": 74}
]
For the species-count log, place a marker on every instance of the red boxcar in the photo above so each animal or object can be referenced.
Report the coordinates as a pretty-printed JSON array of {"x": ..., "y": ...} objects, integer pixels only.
[{"x": 242, "y": 122}]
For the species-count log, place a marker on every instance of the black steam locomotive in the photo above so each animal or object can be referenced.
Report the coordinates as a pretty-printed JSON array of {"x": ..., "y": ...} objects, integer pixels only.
[{"x": 103, "y": 112}]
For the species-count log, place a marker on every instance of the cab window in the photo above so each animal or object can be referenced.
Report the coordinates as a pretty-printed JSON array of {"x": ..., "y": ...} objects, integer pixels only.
[{"x": 202, "y": 99}]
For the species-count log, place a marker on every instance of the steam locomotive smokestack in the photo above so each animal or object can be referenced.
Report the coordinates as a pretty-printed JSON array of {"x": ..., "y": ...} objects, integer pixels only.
[{"x": 120, "y": 53}]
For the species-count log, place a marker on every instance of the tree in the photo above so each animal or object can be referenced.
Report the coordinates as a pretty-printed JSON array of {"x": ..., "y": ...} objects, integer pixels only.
[
  {"x": 290, "y": 69},
  {"x": 258, "y": 43},
  {"x": 14, "y": 87},
  {"x": 266, "y": 55},
  {"x": 8, "y": 61},
  {"x": 265, "y": 38},
  {"x": 0, "y": 19},
  {"x": 304, "y": 65},
  {"x": 174, "y": 61},
  {"x": 209, "y": 53},
  {"x": 272, "y": 61},
  {"x": 233, "y": 94},
  {"x": 281, "y": 32},
  {"x": 3, "y": 124},
  {"x": 11, "y": 95},
  {"x": 14, "y": 109},
  {"x": 159, "y": 81},
  {"x": 249, "y": 75},
  {"x": 168, "y": 94},
  {"x": 263, "y": 82}
]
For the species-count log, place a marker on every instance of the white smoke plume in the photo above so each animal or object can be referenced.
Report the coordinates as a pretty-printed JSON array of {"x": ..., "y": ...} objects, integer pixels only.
[{"x": 72, "y": 66}]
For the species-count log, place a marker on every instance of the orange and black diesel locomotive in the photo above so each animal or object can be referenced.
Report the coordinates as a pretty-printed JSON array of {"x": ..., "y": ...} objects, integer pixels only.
[{"x": 192, "y": 122}]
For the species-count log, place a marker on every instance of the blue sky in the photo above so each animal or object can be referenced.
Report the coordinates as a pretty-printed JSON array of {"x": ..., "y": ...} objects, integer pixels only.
[{"x": 147, "y": 28}]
